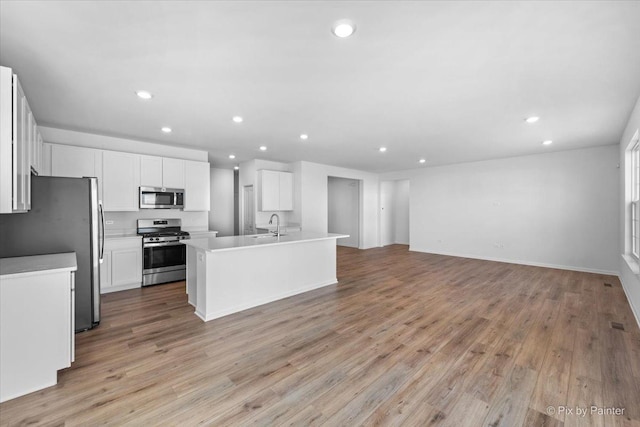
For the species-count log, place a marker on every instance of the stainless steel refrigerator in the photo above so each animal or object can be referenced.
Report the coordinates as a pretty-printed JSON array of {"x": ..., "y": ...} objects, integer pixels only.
[{"x": 65, "y": 216}]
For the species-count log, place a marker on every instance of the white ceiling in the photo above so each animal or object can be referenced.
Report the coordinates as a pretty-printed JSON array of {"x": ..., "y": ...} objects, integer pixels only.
[{"x": 447, "y": 81}]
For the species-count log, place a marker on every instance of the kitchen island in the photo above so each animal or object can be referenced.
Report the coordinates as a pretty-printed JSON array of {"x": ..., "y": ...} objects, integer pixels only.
[{"x": 230, "y": 274}]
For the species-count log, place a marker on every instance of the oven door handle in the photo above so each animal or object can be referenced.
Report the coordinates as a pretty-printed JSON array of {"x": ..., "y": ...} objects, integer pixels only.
[{"x": 159, "y": 244}]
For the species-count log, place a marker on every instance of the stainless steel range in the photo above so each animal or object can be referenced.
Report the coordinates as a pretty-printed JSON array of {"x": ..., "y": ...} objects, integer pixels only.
[{"x": 164, "y": 257}]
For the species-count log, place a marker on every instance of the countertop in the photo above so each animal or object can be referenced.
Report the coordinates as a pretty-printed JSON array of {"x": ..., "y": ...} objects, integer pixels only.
[
  {"x": 201, "y": 232},
  {"x": 29, "y": 265},
  {"x": 134, "y": 235},
  {"x": 239, "y": 242}
]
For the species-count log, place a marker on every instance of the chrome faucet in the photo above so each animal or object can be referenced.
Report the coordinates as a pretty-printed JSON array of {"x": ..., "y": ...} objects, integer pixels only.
[{"x": 277, "y": 223}]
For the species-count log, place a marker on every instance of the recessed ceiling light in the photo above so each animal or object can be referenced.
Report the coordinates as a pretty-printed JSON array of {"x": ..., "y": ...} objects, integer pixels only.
[
  {"x": 263, "y": 148},
  {"x": 236, "y": 168},
  {"x": 232, "y": 156},
  {"x": 343, "y": 28},
  {"x": 143, "y": 94},
  {"x": 304, "y": 136},
  {"x": 382, "y": 149},
  {"x": 422, "y": 160},
  {"x": 547, "y": 142},
  {"x": 237, "y": 119},
  {"x": 532, "y": 119},
  {"x": 166, "y": 129}
]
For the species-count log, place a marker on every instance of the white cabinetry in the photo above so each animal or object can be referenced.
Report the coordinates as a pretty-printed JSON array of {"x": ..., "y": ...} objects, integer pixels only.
[
  {"x": 197, "y": 184},
  {"x": 275, "y": 191},
  {"x": 150, "y": 171},
  {"x": 36, "y": 321},
  {"x": 76, "y": 162},
  {"x": 120, "y": 181},
  {"x": 121, "y": 174},
  {"x": 122, "y": 265},
  {"x": 173, "y": 173},
  {"x": 16, "y": 122},
  {"x": 162, "y": 172}
]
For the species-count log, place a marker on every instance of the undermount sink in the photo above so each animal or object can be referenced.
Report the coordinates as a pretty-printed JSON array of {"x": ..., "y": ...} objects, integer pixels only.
[{"x": 264, "y": 236}]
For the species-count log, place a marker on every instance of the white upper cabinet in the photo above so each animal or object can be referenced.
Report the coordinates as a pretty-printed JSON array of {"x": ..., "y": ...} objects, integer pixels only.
[
  {"x": 121, "y": 179},
  {"x": 197, "y": 185},
  {"x": 275, "y": 191},
  {"x": 286, "y": 191},
  {"x": 150, "y": 171},
  {"x": 162, "y": 172},
  {"x": 173, "y": 173},
  {"x": 74, "y": 162},
  {"x": 269, "y": 193},
  {"x": 16, "y": 130}
]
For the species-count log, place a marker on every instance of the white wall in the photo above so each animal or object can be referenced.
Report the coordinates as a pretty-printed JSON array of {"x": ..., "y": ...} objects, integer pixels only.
[
  {"x": 311, "y": 199},
  {"x": 343, "y": 200},
  {"x": 90, "y": 140},
  {"x": 558, "y": 209},
  {"x": 629, "y": 278},
  {"x": 524, "y": 204},
  {"x": 125, "y": 222},
  {"x": 221, "y": 214}
]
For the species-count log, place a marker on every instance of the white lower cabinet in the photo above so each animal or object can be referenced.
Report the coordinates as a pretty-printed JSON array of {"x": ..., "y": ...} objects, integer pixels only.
[
  {"x": 37, "y": 311},
  {"x": 121, "y": 267}
]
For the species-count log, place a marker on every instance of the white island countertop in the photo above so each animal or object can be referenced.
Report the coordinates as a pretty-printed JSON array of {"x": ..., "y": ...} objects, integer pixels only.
[
  {"x": 228, "y": 243},
  {"x": 28, "y": 265}
]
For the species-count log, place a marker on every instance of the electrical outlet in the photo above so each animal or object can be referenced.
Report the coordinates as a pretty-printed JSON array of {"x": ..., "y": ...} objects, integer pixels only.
[{"x": 108, "y": 222}]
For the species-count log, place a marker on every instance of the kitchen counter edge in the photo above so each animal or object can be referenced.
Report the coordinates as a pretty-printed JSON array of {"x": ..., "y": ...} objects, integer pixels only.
[
  {"x": 229, "y": 243},
  {"x": 36, "y": 264}
]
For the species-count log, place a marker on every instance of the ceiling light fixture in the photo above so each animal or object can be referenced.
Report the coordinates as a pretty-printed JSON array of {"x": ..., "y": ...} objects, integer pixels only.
[
  {"x": 232, "y": 156},
  {"x": 304, "y": 136},
  {"x": 343, "y": 28},
  {"x": 263, "y": 148},
  {"x": 166, "y": 129},
  {"x": 237, "y": 119},
  {"x": 547, "y": 142},
  {"x": 532, "y": 119},
  {"x": 382, "y": 149},
  {"x": 143, "y": 94},
  {"x": 422, "y": 161}
]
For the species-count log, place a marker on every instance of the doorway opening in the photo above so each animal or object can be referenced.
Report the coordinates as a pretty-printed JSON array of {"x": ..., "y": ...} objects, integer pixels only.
[
  {"x": 394, "y": 212},
  {"x": 343, "y": 196}
]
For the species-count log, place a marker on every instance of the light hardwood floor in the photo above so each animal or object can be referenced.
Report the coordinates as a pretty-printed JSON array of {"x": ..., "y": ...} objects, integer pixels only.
[{"x": 404, "y": 339}]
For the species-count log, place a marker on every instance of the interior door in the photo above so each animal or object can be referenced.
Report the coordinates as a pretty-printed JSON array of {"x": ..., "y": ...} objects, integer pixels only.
[{"x": 248, "y": 211}]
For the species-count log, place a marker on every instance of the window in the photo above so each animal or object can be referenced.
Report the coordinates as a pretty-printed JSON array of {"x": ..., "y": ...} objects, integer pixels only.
[{"x": 635, "y": 200}]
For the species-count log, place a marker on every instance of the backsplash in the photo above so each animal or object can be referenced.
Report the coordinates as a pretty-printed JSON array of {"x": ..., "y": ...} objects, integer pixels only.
[{"x": 125, "y": 222}]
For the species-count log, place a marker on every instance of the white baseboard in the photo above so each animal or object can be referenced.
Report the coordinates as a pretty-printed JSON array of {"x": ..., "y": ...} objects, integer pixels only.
[
  {"x": 626, "y": 288},
  {"x": 126, "y": 287},
  {"x": 255, "y": 303},
  {"x": 522, "y": 262}
]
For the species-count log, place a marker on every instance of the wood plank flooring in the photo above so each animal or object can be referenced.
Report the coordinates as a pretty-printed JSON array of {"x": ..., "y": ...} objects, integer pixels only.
[{"x": 404, "y": 339}]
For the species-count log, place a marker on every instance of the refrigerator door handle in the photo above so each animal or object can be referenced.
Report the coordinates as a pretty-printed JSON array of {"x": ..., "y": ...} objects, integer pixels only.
[{"x": 102, "y": 235}]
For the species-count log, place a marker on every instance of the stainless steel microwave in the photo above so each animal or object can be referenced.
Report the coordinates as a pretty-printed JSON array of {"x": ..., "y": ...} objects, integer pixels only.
[{"x": 161, "y": 198}]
